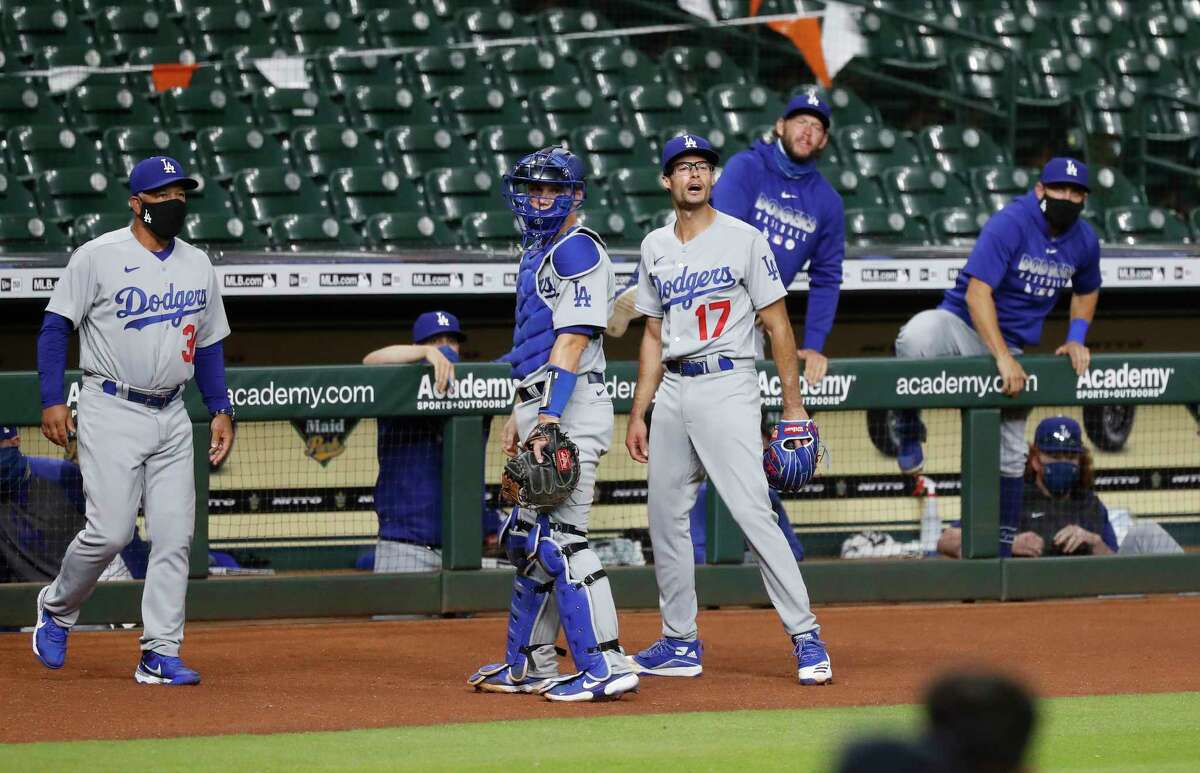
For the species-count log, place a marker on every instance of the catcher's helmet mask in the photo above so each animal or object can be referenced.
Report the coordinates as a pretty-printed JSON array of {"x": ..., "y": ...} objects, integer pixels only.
[{"x": 549, "y": 166}]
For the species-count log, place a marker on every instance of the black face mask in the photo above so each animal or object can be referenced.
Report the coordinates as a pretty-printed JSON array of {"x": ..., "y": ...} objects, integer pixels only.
[
  {"x": 164, "y": 218},
  {"x": 1061, "y": 214}
]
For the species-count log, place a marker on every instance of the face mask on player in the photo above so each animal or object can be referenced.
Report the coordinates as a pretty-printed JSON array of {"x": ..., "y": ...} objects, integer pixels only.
[
  {"x": 1061, "y": 214},
  {"x": 1060, "y": 477},
  {"x": 164, "y": 218}
]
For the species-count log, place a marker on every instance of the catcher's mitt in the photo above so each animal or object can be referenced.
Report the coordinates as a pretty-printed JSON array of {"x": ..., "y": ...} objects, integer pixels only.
[
  {"x": 793, "y": 454},
  {"x": 546, "y": 484}
]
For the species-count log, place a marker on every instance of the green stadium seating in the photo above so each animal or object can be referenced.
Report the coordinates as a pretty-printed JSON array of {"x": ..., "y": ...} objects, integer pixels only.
[
  {"x": 1145, "y": 225},
  {"x": 615, "y": 227},
  {"x": 520, "y": 70},
  {"x": 87, "y": 227},
  {"x": 857, "y": 192},
  {"x": 848, "y": 108},
  {"x": 340, "y": 72},
  {"x": 279, "y": 111},
  {"x": 870, "y": 150},
  {"x": 474, "y": 25},
  {"x": 124, "y": 146},
  {"x": 696, "y": 70},
  {"x": 22, "y": 104},
  {"x": 958, "y": 149},
  {"x": 120, "y": 29},
  {"x": 73, "y": 56},
  {"x": 1192, "y": 68},
  {"x": 556, "y": 22},
  {"x": 1143, "y": 73},
  {"x": 467, "y": 108},
  {"x": 216, "y": 231},
  {"x": 1050, "y": 10},
  {"x": 957, "y": 226},
  {"x": 415, "y": 150},
  {"x": 358, "y": 9},
  {"x": 1173, "y": 123},
  {"x": 872, "y": 226},
  {"x": 448, "y": 9},
  {"x": 740, "y": 110},
  {"x": 211, "y": 30},
  {"x": 654, "y": 108},
  {"x": 405, "y": 231},
  {"x": 887, "y": 42},
  {"x": 208, "y": 77},
  {"x": 404, "y": 27},
  {"x": 639, "y": 190},
  {"x": 264, "y": 193},
  {"x": 1168, "y": 35},
  {"x": 609, "y": 69},
  {"x": 1111, "y": 189},
  {"x": 432, "y": 70},
  {"x": 501, "y": 146},
  {"x": 298, "y": 233},
  {"x": 561, "y": 109},
  {"x": 185, "y": 111},
  {"x": 928, "y": 46},
  {"x": 985, "y": 75},
  {"x": 491, "y": 229},
  {"x": 318, "y": 150},
  {"x": 241, "y": 73},
  {"x": 454, "y": 192},
  {"x": 918, "y": 191},
  {"x": 93, "y": 109},
  {"x": 29, "y": 28},
  {"x": 308, "y": 29},
  {"x": 1091, "y": 35},
  {"x": 1194, "y": 222},
  {"x": 15, "y": 199},
  {"x": 224, "y": 150},
  {"x": 996, "y": 185},
  {"x": 1108, "y": 111},
  {"x": 606, "y": 149},
  {"x": 65, "y": 194},
  {"x": 21, "y": 234},
  {"x": 209, "y": 199},
  {"x": 1058, "y": 74},
  {"x": 375, "y": 109},
  {"x": 1019, "y": 32},
  {"x": 358, "y": 192},
  {"x": 32, "y": 150}
]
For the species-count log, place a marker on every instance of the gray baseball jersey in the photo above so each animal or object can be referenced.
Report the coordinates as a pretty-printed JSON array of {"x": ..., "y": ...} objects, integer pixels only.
[
  {"x": 140, "y": 320},
  {"x": 707, "y": 291}
]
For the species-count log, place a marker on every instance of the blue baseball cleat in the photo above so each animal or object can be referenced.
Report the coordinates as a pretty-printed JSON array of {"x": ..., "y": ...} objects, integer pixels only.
[
  {"x": 49, "y": 638},
  {"x": 584, "y": 687},
  {"x": 910, "y": 457},
  {"x": 812, "y": 661},
  {"x": 498, "y": 677},
  {"x": 164, "y": 669},
  {"x": 670, "y": 657}
]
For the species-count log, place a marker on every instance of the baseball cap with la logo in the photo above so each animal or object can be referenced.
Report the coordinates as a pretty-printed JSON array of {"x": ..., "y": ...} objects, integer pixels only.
[
  {"x": 688, "y": 144},
  {"x": 809, "y": 102},
  {"x": 434, "y": 323},
  {"x": 159, "y": 171},
  {"x": 1065, "y": 170}
]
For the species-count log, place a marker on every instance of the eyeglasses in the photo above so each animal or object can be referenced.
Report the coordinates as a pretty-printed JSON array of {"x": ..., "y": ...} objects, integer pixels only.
[{"x": 687, "y": 167}]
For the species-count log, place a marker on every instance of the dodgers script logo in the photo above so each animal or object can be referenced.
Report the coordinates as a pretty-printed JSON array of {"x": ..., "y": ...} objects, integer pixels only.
[
  {"x": 690, "y": 285},
  {"x": 174, "y": 305}
]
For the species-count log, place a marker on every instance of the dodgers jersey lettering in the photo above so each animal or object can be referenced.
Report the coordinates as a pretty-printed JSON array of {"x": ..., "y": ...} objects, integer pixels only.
[
  {"x": 140, "y": 319},
  {"x": 707, "y": 291}
]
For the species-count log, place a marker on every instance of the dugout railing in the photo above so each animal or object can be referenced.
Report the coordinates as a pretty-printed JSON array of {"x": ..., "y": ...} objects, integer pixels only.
[{"x": 484, "y": 390}]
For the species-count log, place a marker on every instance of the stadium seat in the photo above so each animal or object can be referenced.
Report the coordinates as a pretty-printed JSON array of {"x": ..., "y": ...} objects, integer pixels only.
[
  {"x": 279, "y": 111},
  {"x": 67, "y": 193},
  {"x": 1058, "y": 74},
  {"x": 606, "y": 149},
  {"x": 476, "y": 25},
  {"x": 1194, "y": 222},
  {"x": 186, "y": 110},
  {"x": 653, "y": 108},
  {"x": 1168, "y": 35},
  {"x": 448, "y": 9},
  {"x": 93, "y": 109},
  {"x": 614, "y": 227},
  {"x": 307, "y": 29},
  {"x": 871, "y": 226},
  {"x": 402, "y": 26},
  {"x": 318, "y": 150},
  {"x": 1143, "y": 73},
  {"x": 1145, "y": 225},
  {"x": 1111, "y": 189},
  {"x": 206, "y": 77},
  {"x": 50, "y": 57},
  {"x": 501, "y": 146},
  {"x": 639, "y": 190},
  {"x": 34, "y": 149},
  {"x": 375, "y": 109},
  {"x": 432, "y": 70},
  {"x": 211, "y": 30},
  {"x": 120, "y": 29},
  {"x": 552, "y": 24},
  {"x": 696, "y": 69},
  {"x": 928, "y": 46},
  {"x": 957, "y": 226},
  {"x": 1108, "y": 111},
  {"x": 124, "y": 146},
  {"x": 414, "y": 150},
  {"x": 242, "y": 74},
  {"x": 985, "y": 75},
  {"x": 740, "y": 111},
  {"x": 358, "y": 192},
  {"x": 210, "y": 231},
  {"x": 340, "y": 72},
  {"x": 32, "y": 27},
  {"x": 224, "y": 150},
  {"x": 561, "y": 109},
  {"x": 22, "y": 104},
  {"x": 870, "y": 150},
  {"x": 209, "y": 199},
  {"x": 918, "y": 191},
  {"x": 300, "y": 233},
  {"x": 1092, "y": 36},
  {"x": 87, "y": 227},
  {"x": 491, "y": 229},
  {"x": 406, "y": 231},
  {"x": 995, "y": 186},
  {"x": 857, "y": 192},
  {"x": 847, "y": 108},
  {"x": 958, "y": 149},
  {"x": 453, "y": 192},
  {"x": 1049, "y": 10},
  {"x": 467, "y": 108},
  {"x": 520, "y": 70},
  {"x": 20, "y": 234},
  {"x": 1019, "y": 32},
  {"x": 15, "y": 199},
  {"x": 888, "y": 45},
  {"x": 264, "y": 193},
  {"x": 1173, "y": 123},
  {"x": 609, "y": 69}
]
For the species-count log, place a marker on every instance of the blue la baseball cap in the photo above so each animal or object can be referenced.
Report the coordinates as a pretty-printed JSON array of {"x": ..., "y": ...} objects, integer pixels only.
[
  {"x": 685, "y": 144},
  {"x": 809, "y": 103},
  {"x": 1058, "y": 435},
  {"x": 155, "y": 172},
  {"x": 8, "y": 433},
  {"x": 435, "y": 323},
  {"x": 1065, "y": 170}
]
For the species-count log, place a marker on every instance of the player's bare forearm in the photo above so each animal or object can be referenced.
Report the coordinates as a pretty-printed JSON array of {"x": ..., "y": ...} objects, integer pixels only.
[
  {"x": 650, "y": 368},
  {"x": 1084, "y": 306},
  {"x": 983, "y": 317},
  {"x": 396, "y": 355},
  {"x": 783, "y": 351}
]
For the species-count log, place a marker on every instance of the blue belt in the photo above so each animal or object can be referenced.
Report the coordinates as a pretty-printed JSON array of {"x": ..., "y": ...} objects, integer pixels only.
[
  {"x": 697, "y": 367},
  {"x": 145, "y": 398},
  {"x": 534, "y": 391}
]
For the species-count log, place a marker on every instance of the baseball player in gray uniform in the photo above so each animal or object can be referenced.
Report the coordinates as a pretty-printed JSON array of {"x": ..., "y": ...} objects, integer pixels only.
[
  {"x": 149, "y": 314},
  {"x": 700, "y": 282}
]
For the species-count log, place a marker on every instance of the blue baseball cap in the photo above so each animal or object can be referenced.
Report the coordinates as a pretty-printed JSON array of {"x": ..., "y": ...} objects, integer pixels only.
[
  {"x": 809, "y": 103},
  {"x": 157, "y": 171},
  {"x": 8, "y": 433},
  {"x": 1065, "y": 170},
  {"x": 1058, "y": 435},
  {"x": 686, "y": 144},
  {"x": 436, "y": 323}
]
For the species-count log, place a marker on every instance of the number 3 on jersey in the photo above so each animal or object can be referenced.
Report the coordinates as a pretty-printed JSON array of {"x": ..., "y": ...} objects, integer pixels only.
[
  {"x": 704, "y": 310},
  {"x": 189, "y": 354}
]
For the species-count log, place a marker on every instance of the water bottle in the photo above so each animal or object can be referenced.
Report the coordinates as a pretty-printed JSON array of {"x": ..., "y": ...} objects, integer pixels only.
[{"x": 931, "y": 522}]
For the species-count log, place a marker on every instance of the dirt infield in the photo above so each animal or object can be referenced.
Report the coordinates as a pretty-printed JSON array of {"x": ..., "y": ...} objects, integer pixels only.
[{"x": 341, "y": 675}]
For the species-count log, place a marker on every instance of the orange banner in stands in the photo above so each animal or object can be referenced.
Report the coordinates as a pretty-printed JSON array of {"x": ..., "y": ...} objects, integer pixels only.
[
  {"x": 805, "y": 35},
  {"x": 172, "y": 76}
]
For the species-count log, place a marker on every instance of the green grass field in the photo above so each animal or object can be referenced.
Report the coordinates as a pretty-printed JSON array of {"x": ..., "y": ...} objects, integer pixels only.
[{"x": 1112, "y": 733}]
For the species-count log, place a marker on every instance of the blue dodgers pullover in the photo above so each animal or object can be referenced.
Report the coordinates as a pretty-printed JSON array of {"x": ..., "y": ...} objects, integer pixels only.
[
  {"x": 1026, "y": 268},
  {"x": 802, "y": 217}
]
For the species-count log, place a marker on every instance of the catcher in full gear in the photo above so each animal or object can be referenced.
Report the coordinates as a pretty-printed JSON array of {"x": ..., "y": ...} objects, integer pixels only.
[{"x": 565, "y": 291}]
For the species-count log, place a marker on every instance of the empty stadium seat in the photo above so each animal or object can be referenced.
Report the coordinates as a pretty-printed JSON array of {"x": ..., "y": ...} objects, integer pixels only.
[
  {"x": 1018, "y": 32},
  {"x": 871, "y": 226},
  {"x": 605, "y": 149},
  {"x": 609, "y": 69},
  {"x": 124, "y": 146},
  {"x": 34, "y": 149},
  {"x": 65, "y": 194},
  {"x": 475, "y": 25},
  {"x": 1092, "y": 35},
  {"x": 448, "y": 9},
  {"x": 49, "y": 57},
  {"x": 1110, "y": 188},
  {"x": 639, "y": 190},
  {"x": 522, "y": 69},
  {"x": 870, "y": 150},
  {"x": 23, "y": 104},
  {"x": 340, "y": 72},
  {"x": 375, "y": 109},
  {"x": 1168, "y": 35},
  {"x": 1145, "y": 225},
  {"x": 957, "y": 226},
  {"x": 87, "y": 227},
  {"x": 262, "y": 194},
  {"x": 242, "y": 75},
  {"x": 29, "y": 28},
  {"x": 696, "y": 70},
  {"x": 405, "y": 231},
  {"x": 654, "y": 108},
  {"x": 741, "y": 110},
  {"x": 279, "y": 111},
  {"x": 221, "y": 231},
  {"x": 186, "y": 110},
  {"x": 503, "y": 145},
  {"x": 209, "y": 199},
  {"x": 491, "y": 229},
  {"x": 14, "y": 198},
  {"x": 1142, "y": 72},
  {"x": 432, "y": 70},
  {"x": 857, "y": 192},
  {"x": 23, "y": 235},
  {"x": 614, "y": 227},
  {"x": 359, "y": 192},
  {"x": 404, "y": 27},
  {"x": 1108, "y": 110},
  {"x": 958, "y": 149},
  {"x": 308, "y": 29},
  {"x": 318, "y": 150},
  {"x": 224, "y": 150},
  {"x": 918, "y": 191},
  {"x": 453, "y": 192},
  {"x": 1173, "y": 122},
  {"x": 120, "y": 29},
  {"x": 93, "y": 109},
  {"x": 995, "y": 186},
  {"x": 467, "y": 108},
  {"x": 1058, "y": 74},
  {"x": 1194, "y": 222},
  {"x": 212, "y": 30},
  {"x": 554, "y": 23},
  {"x": 984, "y": 74},
  {"x": 207, "y": 77},
  {"x": 561, "y": 109},
  {"x": 298, "y": 233}
]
